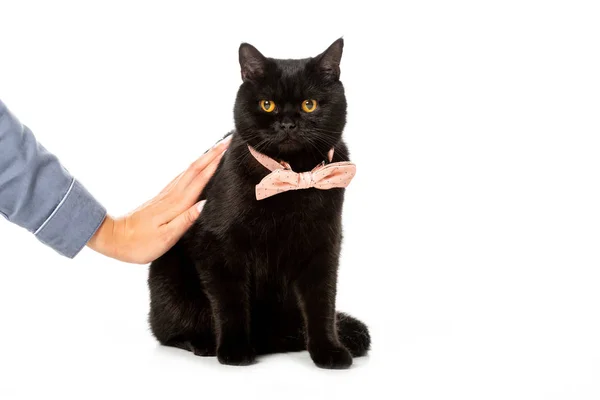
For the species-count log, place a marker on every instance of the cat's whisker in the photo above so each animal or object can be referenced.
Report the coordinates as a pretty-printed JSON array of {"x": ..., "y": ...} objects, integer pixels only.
[
  {"x": 329, "y": 143},
  {"x": 327, "y": 131},
  {"x": 315, "y": 146},
  {"x": 259, "y": 146}
]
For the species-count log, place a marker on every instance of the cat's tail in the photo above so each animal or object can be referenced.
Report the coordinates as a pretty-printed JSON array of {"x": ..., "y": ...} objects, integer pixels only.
[{"x": 353, "y": 334}]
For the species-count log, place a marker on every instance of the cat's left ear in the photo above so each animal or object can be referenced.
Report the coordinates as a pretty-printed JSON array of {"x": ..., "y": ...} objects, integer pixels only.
[
  {"x": 328, "y": 62},
  {"x": 252, "y": 63}
]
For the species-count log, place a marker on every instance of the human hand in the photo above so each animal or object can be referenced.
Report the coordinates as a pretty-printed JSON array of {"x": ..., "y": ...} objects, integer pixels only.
[{"x": 149, "y": 231}]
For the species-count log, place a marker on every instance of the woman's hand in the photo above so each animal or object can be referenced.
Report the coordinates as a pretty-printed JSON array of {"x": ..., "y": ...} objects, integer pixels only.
[{"x": 148, "y": 232}]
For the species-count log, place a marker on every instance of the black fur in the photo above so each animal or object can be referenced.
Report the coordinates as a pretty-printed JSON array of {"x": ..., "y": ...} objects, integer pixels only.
[{"x": 254, "y": 277}]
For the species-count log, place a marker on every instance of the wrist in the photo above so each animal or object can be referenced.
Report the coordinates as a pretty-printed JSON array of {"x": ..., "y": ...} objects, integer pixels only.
[{"x": 104, "y": 240}]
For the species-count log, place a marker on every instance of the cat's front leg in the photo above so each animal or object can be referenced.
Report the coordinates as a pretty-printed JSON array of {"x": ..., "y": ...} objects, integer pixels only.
[
  {"x": 316, "y": 291},
  {"x": 226, "y": 286}
]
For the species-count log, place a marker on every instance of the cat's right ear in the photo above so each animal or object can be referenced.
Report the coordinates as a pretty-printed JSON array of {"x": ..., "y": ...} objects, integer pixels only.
[
  {"x": 252, "y": 63},
  {"x": 328, "y": 62}
]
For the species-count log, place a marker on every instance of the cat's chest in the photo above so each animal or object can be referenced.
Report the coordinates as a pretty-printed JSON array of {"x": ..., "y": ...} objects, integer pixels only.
[
  {"x": 300, "y": 208},
  {"x": 295, "y": 221}
]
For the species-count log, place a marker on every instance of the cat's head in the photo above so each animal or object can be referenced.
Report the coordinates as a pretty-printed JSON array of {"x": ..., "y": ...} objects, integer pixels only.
[{"x": 285, "y": 107}]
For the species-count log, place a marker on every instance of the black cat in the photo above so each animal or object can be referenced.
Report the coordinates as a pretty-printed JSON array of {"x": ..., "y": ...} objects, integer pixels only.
[{"x": 259, "y": 276}]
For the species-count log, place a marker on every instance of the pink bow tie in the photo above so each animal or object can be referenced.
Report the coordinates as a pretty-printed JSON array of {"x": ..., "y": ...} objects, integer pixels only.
[{"x": 282, "y": 178}]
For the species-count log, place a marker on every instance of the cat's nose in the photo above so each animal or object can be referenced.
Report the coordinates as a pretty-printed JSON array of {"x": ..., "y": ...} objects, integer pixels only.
[{"x": 288, "y": 126}]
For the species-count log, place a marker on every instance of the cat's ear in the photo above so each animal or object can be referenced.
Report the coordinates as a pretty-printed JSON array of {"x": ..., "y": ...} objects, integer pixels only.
[
  {"x": 252, "y": 63},
  {"x": 328, "y": 62}
]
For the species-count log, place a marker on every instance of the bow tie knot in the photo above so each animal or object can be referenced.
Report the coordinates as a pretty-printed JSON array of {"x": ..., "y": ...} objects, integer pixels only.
[
  {"x": 305, "y": 180},
  {"x": 282, "y": 178}
]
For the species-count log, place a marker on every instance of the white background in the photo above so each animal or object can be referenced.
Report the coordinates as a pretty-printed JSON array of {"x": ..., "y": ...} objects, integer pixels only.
[{"x": 471, "y": 230}]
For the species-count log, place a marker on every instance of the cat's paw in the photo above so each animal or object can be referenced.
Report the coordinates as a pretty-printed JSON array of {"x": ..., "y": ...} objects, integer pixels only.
[
  {"x": 235, "y": 353},
  {"x": 353, "y": 334},
  {"x": 203, "y": 348},
  {"x": 331, "y": 356}
]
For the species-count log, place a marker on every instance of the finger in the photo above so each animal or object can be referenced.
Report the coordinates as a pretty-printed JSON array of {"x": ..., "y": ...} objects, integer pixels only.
[
  {"x": 172, "y": 183},
  {"x": 184, "y": 221},
  {"x": 193, "y": 190},
  {"x": 178, "y": 201},
  {"x": 202, "y": 162},
  {"x": 178, "y": 177}
]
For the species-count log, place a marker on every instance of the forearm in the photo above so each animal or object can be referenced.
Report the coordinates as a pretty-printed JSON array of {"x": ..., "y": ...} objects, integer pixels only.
[{"x": 38, "y": 194}]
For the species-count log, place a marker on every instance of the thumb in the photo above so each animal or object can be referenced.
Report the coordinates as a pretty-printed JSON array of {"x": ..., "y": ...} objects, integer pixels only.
[{"x": 185, "y": 220}]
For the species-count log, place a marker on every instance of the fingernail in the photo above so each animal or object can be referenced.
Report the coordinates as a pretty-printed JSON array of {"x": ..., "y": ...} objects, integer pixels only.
[
  {"x": 200, "y": 205},
  {"x": 226, "y": 140}
]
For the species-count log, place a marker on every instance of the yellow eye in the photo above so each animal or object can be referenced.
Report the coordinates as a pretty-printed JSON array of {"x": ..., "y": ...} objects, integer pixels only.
[
  {"x": 267, "y": 105},
  {"x": 309, "y": 105}
]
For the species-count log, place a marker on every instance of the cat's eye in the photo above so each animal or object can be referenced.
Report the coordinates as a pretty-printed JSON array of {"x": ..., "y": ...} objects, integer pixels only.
[
  {"x": 309, "y": 105},
  {"x": 267, "y": 105}
]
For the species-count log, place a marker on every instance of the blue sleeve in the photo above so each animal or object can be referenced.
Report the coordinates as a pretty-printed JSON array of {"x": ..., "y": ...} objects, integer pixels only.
[{"x": 38, "y": 194}]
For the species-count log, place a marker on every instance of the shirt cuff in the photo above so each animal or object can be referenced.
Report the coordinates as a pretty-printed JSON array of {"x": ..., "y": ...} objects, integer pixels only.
[{"x": 74, "y": 221}]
